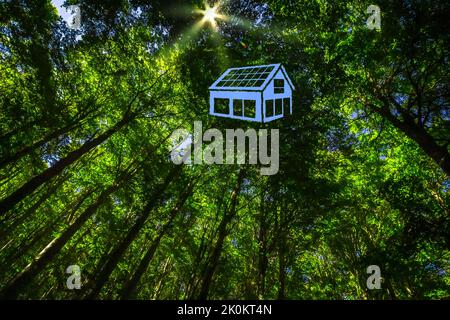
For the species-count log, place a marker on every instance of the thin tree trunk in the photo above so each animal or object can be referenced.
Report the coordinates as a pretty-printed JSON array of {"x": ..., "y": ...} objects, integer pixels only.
[
  {"x": 130, "y": 287},
  {"x": 12, "y": 289},
  {"x": 193, "y": 281},
  {"x": 28, "y": 149},
  {"x": 262, "y": 254},
  {"x": 19, "y": 220},
  {"x": 160, "y": 279},
  {"x": 9, "y": 176},
  {"x": 282, "y": 273},
  {"x": 105, "y": 270},
  {"x": 282, "y": 256},
  {"x": 47, "y": 229},
  {"x": 74, "y": 123},
  {"x": 390, "y": 289},
  {"x": 29, "y": 187},
  {"x": 27, "y": 244},
  {"x": 4, "y": 139},
  {"x": 223, "y": 231}
]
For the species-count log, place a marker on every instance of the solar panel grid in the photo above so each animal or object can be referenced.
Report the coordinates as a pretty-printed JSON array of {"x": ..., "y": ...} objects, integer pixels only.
[{"x": 246, "y": 77}]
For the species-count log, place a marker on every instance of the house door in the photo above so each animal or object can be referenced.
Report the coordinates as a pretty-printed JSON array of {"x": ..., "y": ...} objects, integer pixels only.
[{"x": 269, "y": 108}]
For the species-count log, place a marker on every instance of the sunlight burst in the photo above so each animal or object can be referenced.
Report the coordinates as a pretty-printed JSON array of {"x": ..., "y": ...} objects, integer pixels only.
[{"x": 211, "y": 15}]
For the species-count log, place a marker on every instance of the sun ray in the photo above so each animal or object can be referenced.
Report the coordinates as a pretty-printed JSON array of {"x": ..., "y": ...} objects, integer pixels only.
[
  {"x": 182, "y": 40},
  {"x": 222, "y": 55},
  {"x": 211, "y": 15}
]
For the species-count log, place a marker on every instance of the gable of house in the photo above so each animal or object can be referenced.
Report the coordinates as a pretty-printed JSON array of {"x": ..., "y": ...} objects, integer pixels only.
[{"x": 279, "y": 84}]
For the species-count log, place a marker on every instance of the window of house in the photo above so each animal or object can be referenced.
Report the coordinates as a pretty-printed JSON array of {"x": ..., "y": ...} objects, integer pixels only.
[
  {"x": 249, "y": 108},
  {"x": 278, "y": 86},
  {"x": 278, "y": 106},
  {"x": 222, "y": 105},
  {"x": 287, "y": 104},
  {"x": 269, "y": 108},
  {"x": 237, "y": 107}
]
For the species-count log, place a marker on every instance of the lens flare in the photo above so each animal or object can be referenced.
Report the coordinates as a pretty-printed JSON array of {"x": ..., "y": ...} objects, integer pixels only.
[{"x": 211, "y": 15}]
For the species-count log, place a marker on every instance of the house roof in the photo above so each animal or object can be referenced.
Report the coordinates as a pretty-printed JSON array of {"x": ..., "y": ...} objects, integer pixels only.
[{"x": 251, "y": 78}]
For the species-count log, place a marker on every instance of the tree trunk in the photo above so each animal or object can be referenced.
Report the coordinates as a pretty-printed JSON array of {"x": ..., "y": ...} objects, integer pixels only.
[
  {"x": 24, "y": 216},
  {"x": 28, "y": 149},
  {"x": 161, "y": 277},
  {"x": 105, "y": 270},
  {"x": 282, "y": 255},
  {"x": 223, "y": 230},
  {"x": 50, "y": 226},
  {"x": 282, "y": 272},
  {"x": 130, "y": 287},
  {"x": 390, "y": 289},
  {"x": 6, "y": 137},
  {"x": 193, "y": 280},
  {"x": 73, "y": 123},
  {"x": 12, "y": 289},
  {"x": 417, "y": 133},
  {"x": 28, "y": 188},
  {"x": 262, "y": 254}
]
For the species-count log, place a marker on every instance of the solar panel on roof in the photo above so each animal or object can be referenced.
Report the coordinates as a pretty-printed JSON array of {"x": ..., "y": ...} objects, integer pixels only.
[{"x": 245, "y": 77}]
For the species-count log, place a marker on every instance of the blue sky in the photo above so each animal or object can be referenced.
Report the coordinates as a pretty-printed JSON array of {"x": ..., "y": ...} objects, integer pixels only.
[{"x": 61, "y": 10}]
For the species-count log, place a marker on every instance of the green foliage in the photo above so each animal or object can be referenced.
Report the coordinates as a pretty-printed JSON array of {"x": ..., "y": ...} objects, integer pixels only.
[{"x": 364, "y": 159}]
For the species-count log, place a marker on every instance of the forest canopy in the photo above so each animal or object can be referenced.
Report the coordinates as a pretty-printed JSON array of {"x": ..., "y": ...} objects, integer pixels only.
[{"x": 87, "y": 184}]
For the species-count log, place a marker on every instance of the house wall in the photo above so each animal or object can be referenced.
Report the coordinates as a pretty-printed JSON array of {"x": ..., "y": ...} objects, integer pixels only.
[
  {"x": 232, "y": 95},
  {"x": 269, "y": 94}
]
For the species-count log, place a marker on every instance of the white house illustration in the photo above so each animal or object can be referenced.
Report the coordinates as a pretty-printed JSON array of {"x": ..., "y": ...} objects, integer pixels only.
[{"x": 254, "y": 93}]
